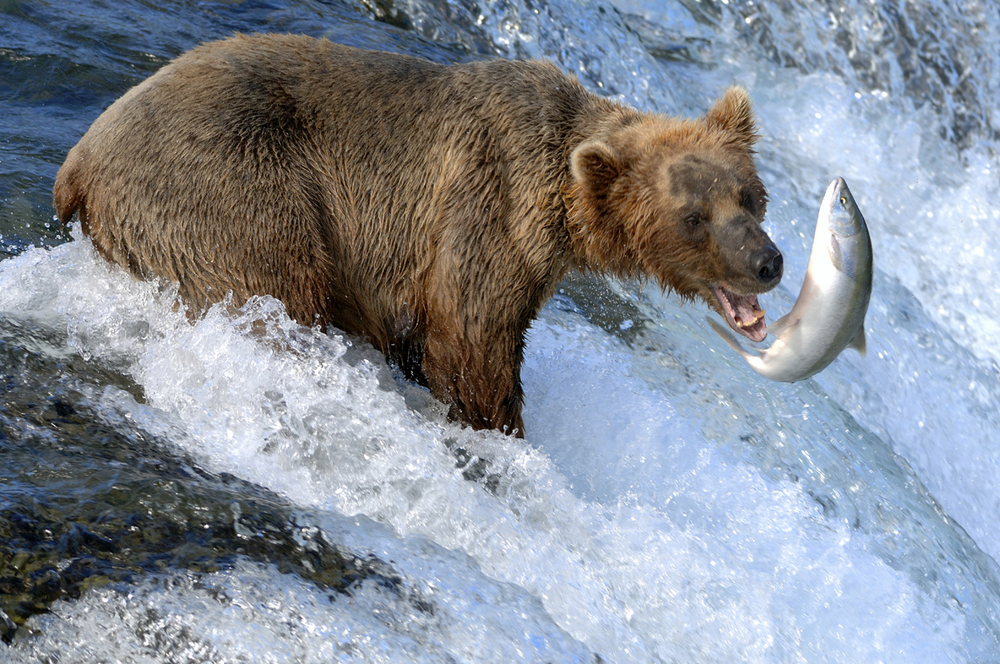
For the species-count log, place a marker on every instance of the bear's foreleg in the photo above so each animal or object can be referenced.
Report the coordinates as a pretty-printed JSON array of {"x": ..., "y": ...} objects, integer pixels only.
[{"x": 477, "y": 373}]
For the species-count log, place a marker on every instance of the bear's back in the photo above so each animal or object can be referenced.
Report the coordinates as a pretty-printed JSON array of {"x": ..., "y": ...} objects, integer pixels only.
[{"x": 320, "y": 174}]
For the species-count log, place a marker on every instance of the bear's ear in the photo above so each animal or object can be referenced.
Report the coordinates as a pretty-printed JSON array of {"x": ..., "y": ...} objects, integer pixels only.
[
  {"x": 595, "y": 168},
  {"x": 733, "y": 114}
]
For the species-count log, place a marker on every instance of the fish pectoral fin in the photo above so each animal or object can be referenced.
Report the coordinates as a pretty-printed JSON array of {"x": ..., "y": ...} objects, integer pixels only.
[
  {"x": 858, "y": 343},
  {"x": 728, "y": 337},
  {"x": 783, "y": 323}
]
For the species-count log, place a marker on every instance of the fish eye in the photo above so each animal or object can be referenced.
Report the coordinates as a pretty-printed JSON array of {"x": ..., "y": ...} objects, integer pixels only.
[{"x": 843, "y": 200}]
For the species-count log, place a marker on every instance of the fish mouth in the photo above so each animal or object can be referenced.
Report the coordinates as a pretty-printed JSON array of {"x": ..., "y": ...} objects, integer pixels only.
[{"x": 742, "y": 313}]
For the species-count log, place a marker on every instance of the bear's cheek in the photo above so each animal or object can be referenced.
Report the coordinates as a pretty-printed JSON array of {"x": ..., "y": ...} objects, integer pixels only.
[{"x": 681, "y": 257}]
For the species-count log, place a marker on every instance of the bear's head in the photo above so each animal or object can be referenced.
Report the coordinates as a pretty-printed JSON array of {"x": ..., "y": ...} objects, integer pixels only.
[{"x": 679, "y": 200}]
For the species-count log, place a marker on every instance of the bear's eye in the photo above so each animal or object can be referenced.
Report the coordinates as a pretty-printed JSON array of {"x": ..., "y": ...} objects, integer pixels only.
[
  {"x": 748, "y": 202},
  {"x": 694, "y": 219}
]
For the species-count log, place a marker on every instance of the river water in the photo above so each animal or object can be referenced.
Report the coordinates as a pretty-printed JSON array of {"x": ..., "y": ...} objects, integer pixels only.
[{"x": 207, "y": 493}]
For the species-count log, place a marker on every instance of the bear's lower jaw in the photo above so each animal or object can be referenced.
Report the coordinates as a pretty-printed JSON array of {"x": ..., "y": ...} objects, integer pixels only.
[{"x": 742, "y": 313}]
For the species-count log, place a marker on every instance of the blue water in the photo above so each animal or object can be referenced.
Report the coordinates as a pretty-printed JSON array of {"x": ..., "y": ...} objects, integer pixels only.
[{"x": 668, "y": 504}]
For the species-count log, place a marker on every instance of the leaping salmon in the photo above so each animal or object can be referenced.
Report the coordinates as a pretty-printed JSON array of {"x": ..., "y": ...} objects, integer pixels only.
[{"x": 829, "y": 314}]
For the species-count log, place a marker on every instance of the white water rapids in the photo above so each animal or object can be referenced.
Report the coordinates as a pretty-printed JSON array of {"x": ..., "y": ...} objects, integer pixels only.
[{"x": 668, "y": 504}]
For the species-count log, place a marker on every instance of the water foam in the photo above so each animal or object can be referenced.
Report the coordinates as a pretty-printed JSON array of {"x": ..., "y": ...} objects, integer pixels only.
[{"x": 252, "y": 613}]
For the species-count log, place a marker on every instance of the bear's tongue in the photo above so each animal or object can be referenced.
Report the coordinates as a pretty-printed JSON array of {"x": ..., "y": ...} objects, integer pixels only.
[{"x": 742, "y": 313}]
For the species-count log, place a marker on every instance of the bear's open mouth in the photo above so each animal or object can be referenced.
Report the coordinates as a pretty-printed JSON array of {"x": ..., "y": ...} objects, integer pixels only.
[{"x": 742, "y": 313}]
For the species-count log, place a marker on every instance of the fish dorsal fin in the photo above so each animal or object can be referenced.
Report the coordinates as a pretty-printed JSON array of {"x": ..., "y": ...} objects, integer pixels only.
[
  {"x": 783, "y": 323},
  {"x": 858, "y": 343}
]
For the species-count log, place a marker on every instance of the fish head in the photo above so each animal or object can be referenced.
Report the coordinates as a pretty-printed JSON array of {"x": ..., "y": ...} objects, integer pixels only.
[
  {"x": 839, "y": 213},
  {"x": 841, "y": 233}
]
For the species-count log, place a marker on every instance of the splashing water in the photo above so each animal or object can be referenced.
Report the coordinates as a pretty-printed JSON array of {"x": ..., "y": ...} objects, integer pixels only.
[{"x": 668, "y": 504}]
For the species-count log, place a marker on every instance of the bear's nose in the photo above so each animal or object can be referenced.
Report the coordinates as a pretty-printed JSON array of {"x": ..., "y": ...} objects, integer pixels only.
[{"x": 768, "y": 264}]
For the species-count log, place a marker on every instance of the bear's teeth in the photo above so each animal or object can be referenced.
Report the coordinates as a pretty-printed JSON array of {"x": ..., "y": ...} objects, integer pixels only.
[{"x": 757, "y": 315}]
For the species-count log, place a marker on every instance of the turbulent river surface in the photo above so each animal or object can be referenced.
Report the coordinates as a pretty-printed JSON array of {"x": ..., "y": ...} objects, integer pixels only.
[{"x": 199, "y": 493}]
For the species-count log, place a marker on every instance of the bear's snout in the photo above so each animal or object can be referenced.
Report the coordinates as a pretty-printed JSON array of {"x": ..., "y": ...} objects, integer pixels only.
[{"x": 768, "y": 265}]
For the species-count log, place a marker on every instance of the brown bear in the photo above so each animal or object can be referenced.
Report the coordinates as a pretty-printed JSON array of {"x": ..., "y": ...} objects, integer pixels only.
[{"x": 429, "y": 209}]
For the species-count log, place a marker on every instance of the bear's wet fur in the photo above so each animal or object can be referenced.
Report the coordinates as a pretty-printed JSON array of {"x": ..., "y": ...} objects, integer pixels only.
[{"x": 429, "y": 209}]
